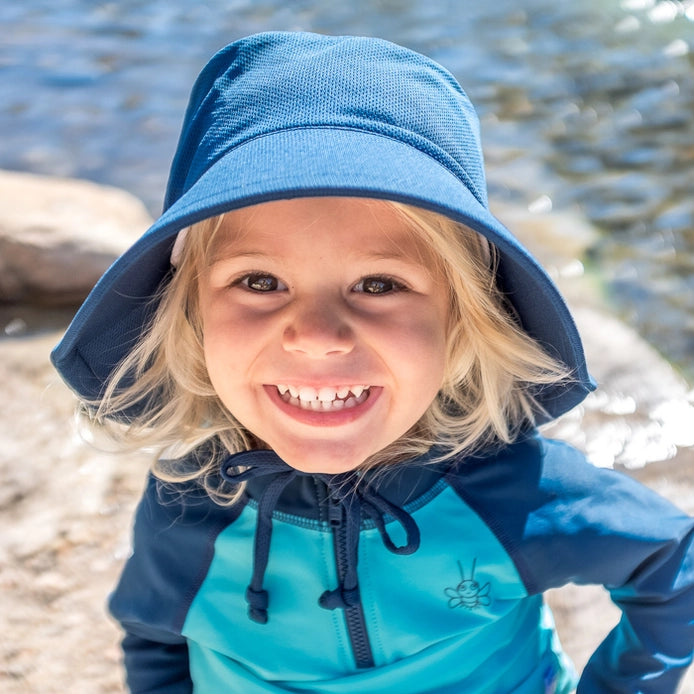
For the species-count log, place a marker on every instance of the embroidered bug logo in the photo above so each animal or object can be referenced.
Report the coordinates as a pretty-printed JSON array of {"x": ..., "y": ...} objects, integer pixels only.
[{"x": 468, "y": 593}]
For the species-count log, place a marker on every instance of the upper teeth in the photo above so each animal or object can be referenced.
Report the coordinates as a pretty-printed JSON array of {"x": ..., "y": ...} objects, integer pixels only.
[{"x": 324, "y": 394}]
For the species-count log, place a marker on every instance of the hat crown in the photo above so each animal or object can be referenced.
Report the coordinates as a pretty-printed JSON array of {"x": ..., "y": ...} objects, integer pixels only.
[{"x": 281, "y": 81}]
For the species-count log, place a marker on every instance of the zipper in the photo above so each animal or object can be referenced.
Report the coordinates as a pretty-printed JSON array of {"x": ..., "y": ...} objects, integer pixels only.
[{"x": 354, "y": 616}]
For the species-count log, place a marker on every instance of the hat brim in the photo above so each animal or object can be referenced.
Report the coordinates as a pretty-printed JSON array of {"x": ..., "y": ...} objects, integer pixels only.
[{"x": 304, "y": 162}]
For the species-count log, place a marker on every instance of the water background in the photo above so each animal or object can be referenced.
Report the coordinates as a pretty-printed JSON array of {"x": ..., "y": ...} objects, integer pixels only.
[{"x": 585, "y": 106}]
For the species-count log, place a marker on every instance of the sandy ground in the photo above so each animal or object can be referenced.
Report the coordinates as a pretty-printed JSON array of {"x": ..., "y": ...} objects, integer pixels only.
[
  {"x": 65, "y": 515},
  {"x": 65, "y": 509}
]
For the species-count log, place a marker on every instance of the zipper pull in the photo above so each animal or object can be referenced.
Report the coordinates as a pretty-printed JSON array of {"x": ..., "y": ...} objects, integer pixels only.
[{"x": 335, "y": 512}]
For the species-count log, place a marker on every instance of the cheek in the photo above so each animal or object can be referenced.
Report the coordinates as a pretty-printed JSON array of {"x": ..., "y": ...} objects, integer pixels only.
[
  {"x": 431, "y": 362},
  {"x": 235, "y": 348},
  {"x": 425, "y": 336},
  {"x": 223, "y": 352},
  {"x": 416, "y": 354}
]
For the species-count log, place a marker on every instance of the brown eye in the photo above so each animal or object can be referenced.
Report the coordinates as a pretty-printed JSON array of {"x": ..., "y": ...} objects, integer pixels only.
[
  {"x": 378, "y": 285},
  {"x": 262, "y": 283}
]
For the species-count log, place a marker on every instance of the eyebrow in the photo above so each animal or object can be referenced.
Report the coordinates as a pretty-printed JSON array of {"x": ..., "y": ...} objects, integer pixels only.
[
  {"x": 394, "y": 255},
  {"x": 229, "y": 254}
]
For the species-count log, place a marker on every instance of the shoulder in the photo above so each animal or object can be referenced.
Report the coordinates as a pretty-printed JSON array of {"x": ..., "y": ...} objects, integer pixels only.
[
  {"x": 175, "y": 530},
  {"x": 535, "y": 466},
  {"x": 173, "y": 510},
  {"x": 534, "y": 471},
  {"x": 563, "y": 519}
]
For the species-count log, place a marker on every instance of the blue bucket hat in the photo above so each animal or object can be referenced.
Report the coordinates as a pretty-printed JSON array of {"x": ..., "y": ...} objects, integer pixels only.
[{"x": 282, "y": 115}]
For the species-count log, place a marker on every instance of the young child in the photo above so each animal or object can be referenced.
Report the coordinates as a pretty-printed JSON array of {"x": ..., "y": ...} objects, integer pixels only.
[{"x": 342, "y": 357}]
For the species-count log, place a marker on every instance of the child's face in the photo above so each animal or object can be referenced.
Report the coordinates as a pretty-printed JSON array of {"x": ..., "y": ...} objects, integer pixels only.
[{"x": 306, "y": 302}]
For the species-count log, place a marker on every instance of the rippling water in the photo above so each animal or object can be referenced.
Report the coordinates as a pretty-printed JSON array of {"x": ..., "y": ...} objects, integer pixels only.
[{"x": 585, "y": 105}]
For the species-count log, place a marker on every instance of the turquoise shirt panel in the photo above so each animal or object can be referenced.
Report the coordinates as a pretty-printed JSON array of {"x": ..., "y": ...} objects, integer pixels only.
[
  {"x": 300, "y": 639},
  {"x": 431, "y": 672},
  {"x": 454, "y": 616},
  {"x": 459, "y": 585}
]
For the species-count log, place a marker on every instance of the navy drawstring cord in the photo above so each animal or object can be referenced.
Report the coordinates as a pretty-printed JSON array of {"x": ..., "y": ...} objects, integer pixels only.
[
  {"x": 355, "y": 499},
  {"x": 256, "y": 597}
]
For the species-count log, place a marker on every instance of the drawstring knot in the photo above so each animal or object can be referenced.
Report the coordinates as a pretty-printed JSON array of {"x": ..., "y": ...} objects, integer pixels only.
[
  {"x": 258, "y": 601},
  {"x": 350, "y": 499},
  {"x": 355, "y": 499}
]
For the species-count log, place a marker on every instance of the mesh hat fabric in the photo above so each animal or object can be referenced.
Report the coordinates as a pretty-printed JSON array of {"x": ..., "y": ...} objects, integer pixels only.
[{"x": 281, "y": 115}]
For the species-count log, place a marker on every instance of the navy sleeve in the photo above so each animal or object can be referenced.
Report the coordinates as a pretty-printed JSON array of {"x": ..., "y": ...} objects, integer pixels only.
[
  {"x": 173, "y": 546},
  {"x": 156, "y": 666},
  {"x": 563, "y": 520}
]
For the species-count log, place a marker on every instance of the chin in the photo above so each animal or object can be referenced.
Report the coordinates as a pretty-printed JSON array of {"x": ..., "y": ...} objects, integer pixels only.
[{"x": 326, "y": 462}]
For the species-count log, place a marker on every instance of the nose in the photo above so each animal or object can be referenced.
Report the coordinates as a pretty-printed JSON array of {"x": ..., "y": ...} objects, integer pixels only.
[{"x": 318, "y": 329}]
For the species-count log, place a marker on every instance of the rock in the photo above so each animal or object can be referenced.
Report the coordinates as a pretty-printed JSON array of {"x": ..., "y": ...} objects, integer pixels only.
[{"x": 57, "y": 236}]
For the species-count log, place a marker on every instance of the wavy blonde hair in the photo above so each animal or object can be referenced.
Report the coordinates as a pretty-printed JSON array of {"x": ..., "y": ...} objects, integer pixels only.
[{"x": 493, "y": 366}]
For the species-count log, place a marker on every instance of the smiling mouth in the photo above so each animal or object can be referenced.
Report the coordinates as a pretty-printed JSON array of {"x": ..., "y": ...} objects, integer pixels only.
[{"x": 326, "y": 399}]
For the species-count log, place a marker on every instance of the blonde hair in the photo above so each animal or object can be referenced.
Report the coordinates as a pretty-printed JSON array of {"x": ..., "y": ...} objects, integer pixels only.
[{"x": 161, "y": 396}]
